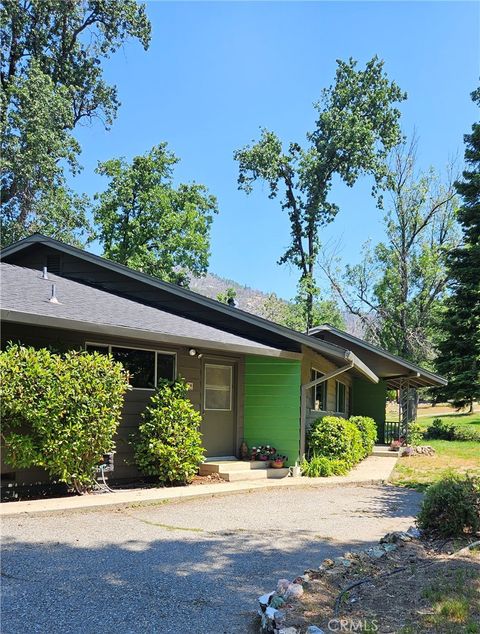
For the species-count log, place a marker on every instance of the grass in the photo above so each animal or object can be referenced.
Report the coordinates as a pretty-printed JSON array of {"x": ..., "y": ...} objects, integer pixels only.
[
  {"x": 465, "y": 420},
  {"x": 452, "y": 456}
]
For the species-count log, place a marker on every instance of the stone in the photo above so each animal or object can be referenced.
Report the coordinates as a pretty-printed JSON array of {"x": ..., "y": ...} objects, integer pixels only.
[
  {"x": 388, "y": 548},
  {"x": 328, "y": 563},
  {"x": 277, "y": 602},
  {"x": 342, "y": 561},
  {"x": 395, "y": 537},
  {"x": 377, "y": 552},
  {"x": 288, "y": 630},
  {"x": 313, "y": 629},
  {"x": 294, "y": 591},
  {"x": 282, "y": 586},
  {"x": 264, "y": 600},
  {"x": 414, "y": 532}
]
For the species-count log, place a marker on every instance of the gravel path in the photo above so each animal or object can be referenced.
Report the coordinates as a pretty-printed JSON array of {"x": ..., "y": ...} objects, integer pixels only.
[{"x": 189, "y": 567}]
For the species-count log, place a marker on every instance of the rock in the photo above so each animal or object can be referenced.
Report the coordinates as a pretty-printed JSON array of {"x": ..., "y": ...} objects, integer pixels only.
[
  {"x": 277, "y": 602},
  {"x": 313, "y": 629},
  {"x": 328, "y": 563},
  {"x": 414, "y": 532},
  {"x": 425, "y": 450},
  {"x": 395, "y": 537},
  {"x": 264, "y": 600},
  {"x": 342, "y": 561},
  {"x": 288, "y": 630},
  {"x": 388, "y": 548},
  {"x": 282, "y": 586},
  {"x": 294, "y": 591},
  {"x": 377, "y": 552}
]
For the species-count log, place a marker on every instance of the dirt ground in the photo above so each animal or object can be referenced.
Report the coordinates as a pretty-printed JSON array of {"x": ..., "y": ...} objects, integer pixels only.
[{"x": 419, "y": 588}]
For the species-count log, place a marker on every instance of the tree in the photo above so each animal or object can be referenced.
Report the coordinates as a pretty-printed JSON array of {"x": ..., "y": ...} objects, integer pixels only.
[
  {"x": 147, "y": 224},
  {"x": 459, "y": 349},
  {"x": 397, "y": 289},
  {"x": 292, "y": 314},
  {"x": 357, "y": 125},
  {"x": 228, "y": 297},
  {"x": 51, "y": 80}
]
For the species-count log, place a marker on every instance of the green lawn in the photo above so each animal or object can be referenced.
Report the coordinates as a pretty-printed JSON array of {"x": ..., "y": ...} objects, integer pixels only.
[
  {"x": 458, "y": 419},
  {"x": 451, "y": 456}
]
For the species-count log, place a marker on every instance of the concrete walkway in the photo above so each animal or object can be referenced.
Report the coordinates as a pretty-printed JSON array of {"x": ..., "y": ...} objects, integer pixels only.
[{"x": 373, "y": 470}]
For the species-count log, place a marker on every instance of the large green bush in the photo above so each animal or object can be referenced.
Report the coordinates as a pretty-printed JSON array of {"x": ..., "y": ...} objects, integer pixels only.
[
  {"x": 169, "y": 444},
  {"x": 451, "y": 507},
  {"x": 59, "y": 412},
  {"x": 440, "y": 430},
  {"x": 368, "y": 429},
  {"x": 335, "y": 437}
]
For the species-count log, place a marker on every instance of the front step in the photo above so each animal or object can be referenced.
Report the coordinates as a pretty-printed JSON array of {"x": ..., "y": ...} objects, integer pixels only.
[
  {"x": 235, "y": 471},
  {"x": 218, "y": 466},
  {"x": 384, "y": 452}
]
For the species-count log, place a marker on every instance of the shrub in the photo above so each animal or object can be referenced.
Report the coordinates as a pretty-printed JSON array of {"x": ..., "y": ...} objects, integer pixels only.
[
  {"x": 320, "y": 466},
  {"x": 415, "y": 434},
  {"x": 440, "y": 430},
  {"x": 169, "y": 442},
  {"x": 466, "y": 433},
  {"x": 368, "y": 429},
  {"x": 335, "y": 437},
  {"x": 451, "y": 506},
  {"x": 60, "y": 412}
]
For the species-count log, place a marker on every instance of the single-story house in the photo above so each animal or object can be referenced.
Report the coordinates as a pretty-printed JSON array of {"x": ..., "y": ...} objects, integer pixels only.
[{"x": 253, "y": 380}]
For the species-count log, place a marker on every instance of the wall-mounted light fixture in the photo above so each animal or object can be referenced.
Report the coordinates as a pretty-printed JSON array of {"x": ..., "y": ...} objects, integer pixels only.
[{"x": 192, "y": 352}]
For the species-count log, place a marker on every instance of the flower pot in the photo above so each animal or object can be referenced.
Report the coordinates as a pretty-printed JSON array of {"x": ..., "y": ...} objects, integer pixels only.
[
  {"x": 277, "y": 464},
  {"x": 263, "y": 458}
]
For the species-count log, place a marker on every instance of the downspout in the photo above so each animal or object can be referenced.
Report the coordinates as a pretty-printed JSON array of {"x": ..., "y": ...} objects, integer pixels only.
[{"x": 303, "y": 398}]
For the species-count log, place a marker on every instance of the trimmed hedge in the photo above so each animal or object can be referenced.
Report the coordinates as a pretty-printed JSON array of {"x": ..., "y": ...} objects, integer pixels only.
[
  {"x": 60, "y": 412},
  {"x": 323, "y": 467},
  {"x": 335, "y": 437},
  {"x": 368, "y": 429},
  {"x": 169, "y": 443}
]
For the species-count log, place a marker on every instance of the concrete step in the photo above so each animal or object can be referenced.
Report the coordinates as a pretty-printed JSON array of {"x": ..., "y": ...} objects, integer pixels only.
[
  {"x": 384, "y": 451},
  {"x": 217, "y": 466},
  {"x": 254, "y": 474}
]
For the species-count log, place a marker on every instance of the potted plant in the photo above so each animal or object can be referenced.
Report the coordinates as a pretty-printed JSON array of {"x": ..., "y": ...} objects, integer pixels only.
[
  {"x": 278, "y": 461},
  {"x": 263, "y": 453}
]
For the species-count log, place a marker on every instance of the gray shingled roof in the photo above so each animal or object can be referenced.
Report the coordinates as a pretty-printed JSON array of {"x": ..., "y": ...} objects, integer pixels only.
[{"x": 24, "y": 291}]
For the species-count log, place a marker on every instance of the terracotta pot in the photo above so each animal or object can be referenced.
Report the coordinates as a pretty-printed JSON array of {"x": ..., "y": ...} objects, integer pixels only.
[{"x": 277, "y": 464}]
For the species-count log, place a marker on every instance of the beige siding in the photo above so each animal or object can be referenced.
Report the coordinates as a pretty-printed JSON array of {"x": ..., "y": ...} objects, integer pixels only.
[
  {"x": 189, "y": 367},
  {"x": 312, "y": 360}
]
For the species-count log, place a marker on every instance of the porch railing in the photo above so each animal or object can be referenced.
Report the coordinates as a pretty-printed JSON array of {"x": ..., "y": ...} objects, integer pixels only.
[{"x": 391, "y": 431}]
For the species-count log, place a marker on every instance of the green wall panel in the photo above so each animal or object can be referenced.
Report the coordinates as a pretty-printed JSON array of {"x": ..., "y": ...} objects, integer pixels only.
[
  {"x": 370, "y": 399},
  {"x": 272, "y": 404}
]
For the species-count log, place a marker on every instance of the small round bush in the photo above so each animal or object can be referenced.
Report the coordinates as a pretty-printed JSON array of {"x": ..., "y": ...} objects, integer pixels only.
[
  {"x": 169, "y": 444},
  {"x": 368, "y": 429},
  {"x": 415, "y": 434},
  {"x": 335, "y": 437},
  {"x": 451, "y": 507},
  {"x": 322, "y": 467}
]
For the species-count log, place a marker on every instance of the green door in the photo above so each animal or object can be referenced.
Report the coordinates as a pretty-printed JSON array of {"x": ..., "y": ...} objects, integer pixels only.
[{"x": 219, "y": 404}]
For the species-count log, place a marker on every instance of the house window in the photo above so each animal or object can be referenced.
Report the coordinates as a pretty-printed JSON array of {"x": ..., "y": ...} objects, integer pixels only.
[
  {"x": 146, "y": 367},
  {"x": 340, "y": 397},
  {"x": 218, "y": 387},
  {"x": 318, "y": 392}
]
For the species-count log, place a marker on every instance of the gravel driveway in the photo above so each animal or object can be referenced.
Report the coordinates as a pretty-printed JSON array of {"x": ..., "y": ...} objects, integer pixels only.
[{"x": 189, "y": 567}]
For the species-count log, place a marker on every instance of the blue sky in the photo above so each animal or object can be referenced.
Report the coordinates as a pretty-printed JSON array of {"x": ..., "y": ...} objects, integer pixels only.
[{"x": 216, "y": 72}]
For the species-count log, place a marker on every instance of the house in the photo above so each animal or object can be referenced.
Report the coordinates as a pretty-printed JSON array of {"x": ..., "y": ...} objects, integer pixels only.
[{"x": 252, "y": 379}]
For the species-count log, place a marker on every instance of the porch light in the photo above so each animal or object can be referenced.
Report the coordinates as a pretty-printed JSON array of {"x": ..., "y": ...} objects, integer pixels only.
[{"x": 192, "y": 352}]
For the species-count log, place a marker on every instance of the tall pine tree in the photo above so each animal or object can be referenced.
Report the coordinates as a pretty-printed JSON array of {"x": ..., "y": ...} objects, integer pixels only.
[{"x": 459, "y": 352}]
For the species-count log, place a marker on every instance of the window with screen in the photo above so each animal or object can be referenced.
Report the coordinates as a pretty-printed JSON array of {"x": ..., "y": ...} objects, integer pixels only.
[
  {"x": 318, "y": 392},
  {"x": 341, "y": 397},
  {"x": 218, "y": 387}
]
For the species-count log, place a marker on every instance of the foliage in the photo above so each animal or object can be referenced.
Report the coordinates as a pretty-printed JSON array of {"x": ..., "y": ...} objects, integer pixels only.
[
  {"x": 441, "y": 430},
  {"x": 335, "y": 437},
  {"x": 323, "y": 467},
  {"x": 169, "y": 444},
  {"x": 60, "y": 412},
  {"x": 446, "y": 430},
  {"x": 228, "y": 297},
  {"x": 356, "y": 126},
  {"x": 459, "y": 349},
  {"x": 415, "y": 434},
  {"x": 52, "y": 80},
  {"x": 148, "y": 224},
  {"x": 263, "y": 452},
  {"x": 368, "y": 429},
  {"x": 398, "y": 288},
  {"x": 293, "y": 315},
  {"x": 451, "y": 507}
]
